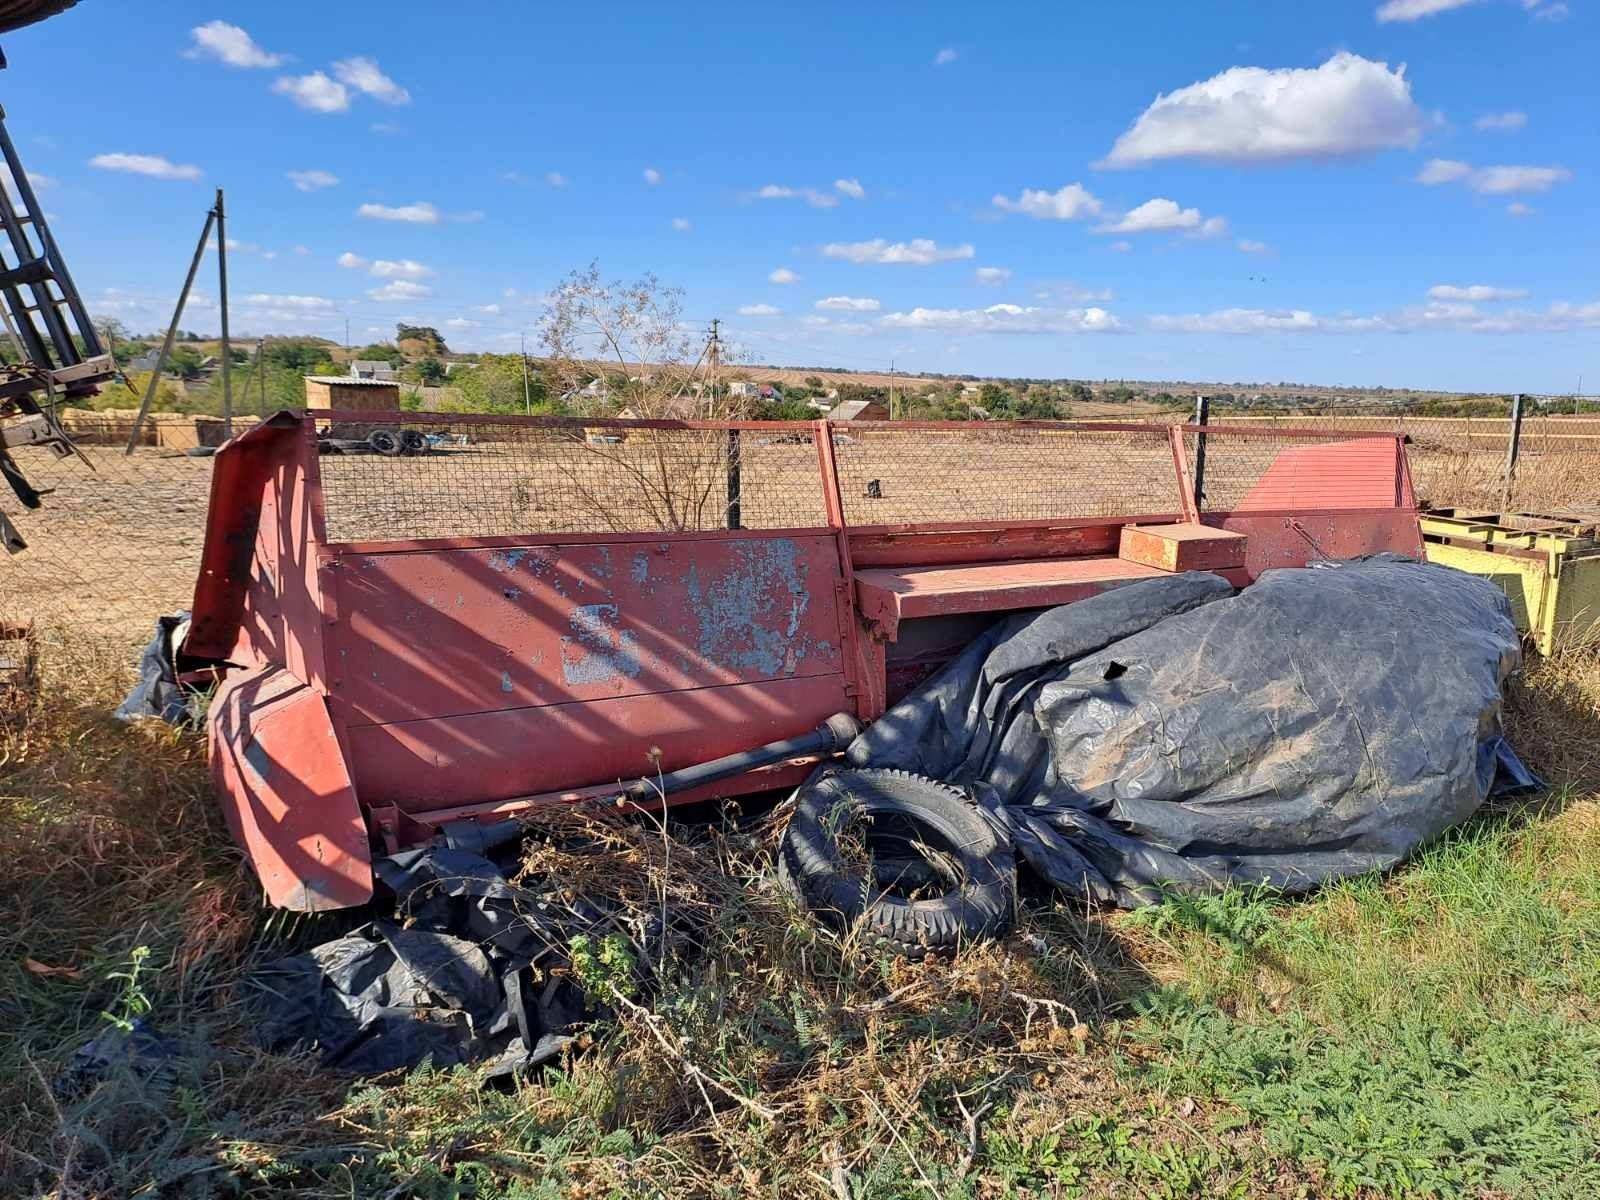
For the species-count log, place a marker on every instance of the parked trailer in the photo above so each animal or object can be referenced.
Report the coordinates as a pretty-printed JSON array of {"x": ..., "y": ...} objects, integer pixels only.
[{"x": 541, "y": 616}]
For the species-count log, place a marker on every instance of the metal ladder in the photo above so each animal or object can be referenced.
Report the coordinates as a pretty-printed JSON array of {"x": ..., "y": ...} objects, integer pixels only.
[{"x": 42, "y": 309}]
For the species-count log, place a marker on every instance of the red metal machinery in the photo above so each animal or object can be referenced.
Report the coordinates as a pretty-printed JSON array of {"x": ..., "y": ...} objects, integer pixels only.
[{"x": 538, "y": 608}]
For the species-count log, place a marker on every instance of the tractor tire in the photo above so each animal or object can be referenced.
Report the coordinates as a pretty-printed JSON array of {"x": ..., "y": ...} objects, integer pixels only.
[
  {"x": 385, "y": 441},
  {"x": 972, "y": 872},
  {"x": 412, "y": 441}
]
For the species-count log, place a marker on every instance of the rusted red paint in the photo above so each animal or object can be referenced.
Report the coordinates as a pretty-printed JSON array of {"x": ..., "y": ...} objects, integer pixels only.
[{"x": 383, "y": 687}]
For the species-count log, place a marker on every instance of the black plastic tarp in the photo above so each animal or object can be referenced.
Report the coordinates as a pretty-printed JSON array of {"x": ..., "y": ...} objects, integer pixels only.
[
  {"x": 1170, "y": 734},
  {"x": 467, "y": 968}
]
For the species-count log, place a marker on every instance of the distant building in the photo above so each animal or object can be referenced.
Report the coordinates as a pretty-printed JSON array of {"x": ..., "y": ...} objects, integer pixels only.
[
  {"x": 859, "y": 410},
  {"x": 743, "y": 389},
  {"x": 374, "y": 368},
  {"x": 351, "y": 393}
]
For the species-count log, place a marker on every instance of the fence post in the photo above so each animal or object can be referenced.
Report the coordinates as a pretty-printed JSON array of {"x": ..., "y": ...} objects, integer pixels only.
[
  {"x": 1513, "y": 447},
  {"x": 734, "y": 485},
  {"x": 1202, "y": 416}
]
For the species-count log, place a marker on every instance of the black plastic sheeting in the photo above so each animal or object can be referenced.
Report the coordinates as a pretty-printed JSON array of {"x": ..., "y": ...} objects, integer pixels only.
[
  {"x": 471, "y": 968},
  {"x": 1172, "y": 735},
  {"x": 158, "y": 693}
]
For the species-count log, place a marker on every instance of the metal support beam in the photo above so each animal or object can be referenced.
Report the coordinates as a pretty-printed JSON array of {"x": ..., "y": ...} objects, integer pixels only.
[{"x": 172, "y": 332}]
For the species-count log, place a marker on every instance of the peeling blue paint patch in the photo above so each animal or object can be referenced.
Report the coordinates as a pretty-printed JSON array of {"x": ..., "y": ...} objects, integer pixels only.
[
  {"x": 505, "y": 681},
  {"x": 731, "y": 608},
  {"x": 640, "y": 569},
  {"x": 598, "y": 651},
  {"x": 505, "y": 560}
]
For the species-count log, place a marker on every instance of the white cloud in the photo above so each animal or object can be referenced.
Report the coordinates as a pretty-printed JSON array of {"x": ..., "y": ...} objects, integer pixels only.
[
  {"x": 1250, "y": 246},
  {"x": 152, "y": 165},
  {"x": 492, "y": 310},
  {"x": 296, "y": 303},
  {"x": 1518, "y": 209},
  {"x": 783, "y": 275},
  {"x": 1161, "y": 215},
  {"x": 420, "y": 213},
  {"x": 385, "y": 128},
  {"x": 1443, "y": 170},
  {"x": 848, "y": 304},
  {"x": 41, "y": 182},
  {"x": 1004, "y": 318},
  {"x": 460, "y": 323},
  {"x": 1120, "y": 247},
  {"x": 1550, "y": 12},
  {"x": 652, "y": 176},
  {"x": 404, "y": 268},
  {"x": 1070, "y": 203},
  {"x": 1492, "y": 181},
  {"x": 555, "y": 179},
  {"x": 851, "y": 188},
  {"x": 400, "y": 289},
  {"x": 1451, "y": 314},
  {"x": 992, "y": 276},
  {"x": 811, "y": 196},
  {"x": 1415, "y": 10},
  {"x": 465, "y": 218},
  {"x": 1497, "y": 181},
  {"x": 759, "y": 310},
  {"x": 1349, "y": 105},
  {"x": 682, "y": 224},
  {"x": 920, "y": 252},
  {"x": 352, "y": 261},
  {"x": 362, "y": 73},
  {"x": 1255, "y": 320},
  {"x": 310, "y": 181},
  {"x": 1475, "y": 292},
  {"x": 1501, "y": 122},
  {"x": 229, "y": 44},
  {"x": 945, "y": 57},
  {"x": 302, "y": 251},
  {"x": 314, "y": 91}
]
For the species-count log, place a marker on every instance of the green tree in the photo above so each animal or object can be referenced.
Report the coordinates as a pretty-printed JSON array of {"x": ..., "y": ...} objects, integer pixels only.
[
  {"x": 184, "y": 362},
  {"x": 430, "y": 371}
]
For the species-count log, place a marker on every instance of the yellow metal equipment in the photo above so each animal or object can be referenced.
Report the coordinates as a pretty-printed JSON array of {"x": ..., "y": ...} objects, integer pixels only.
[{"x": 1549, "y": 567}]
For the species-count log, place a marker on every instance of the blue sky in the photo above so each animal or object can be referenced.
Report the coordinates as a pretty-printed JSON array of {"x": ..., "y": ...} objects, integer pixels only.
[{"x": 1386, "y": 192}]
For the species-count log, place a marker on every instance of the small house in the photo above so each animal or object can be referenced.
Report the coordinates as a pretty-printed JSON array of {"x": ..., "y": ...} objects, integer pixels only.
[{"x": 859, "y": 410}]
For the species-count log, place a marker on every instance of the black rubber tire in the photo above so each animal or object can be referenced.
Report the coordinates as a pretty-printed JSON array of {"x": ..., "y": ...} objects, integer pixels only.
[
  {"x": 412, "y": 441},
  {"x": 979, "y": 906},
  {"x": 385, "y": 442}
]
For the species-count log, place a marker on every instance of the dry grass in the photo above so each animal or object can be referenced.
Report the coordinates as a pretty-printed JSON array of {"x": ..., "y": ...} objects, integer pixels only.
[{"x": 1427, "y": 1033}]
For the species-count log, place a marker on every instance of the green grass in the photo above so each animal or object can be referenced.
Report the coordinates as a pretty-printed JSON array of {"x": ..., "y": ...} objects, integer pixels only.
[{"x": 1435, "y": 1032}]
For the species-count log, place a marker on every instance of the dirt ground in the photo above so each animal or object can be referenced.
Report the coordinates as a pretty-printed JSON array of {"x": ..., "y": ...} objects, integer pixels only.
[{"x": 118, "y": 543}]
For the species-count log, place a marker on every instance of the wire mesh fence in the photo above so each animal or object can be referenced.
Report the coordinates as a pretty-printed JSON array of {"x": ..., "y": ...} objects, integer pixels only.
[
  {"x": 484, "y": 479},
  {"x": 116, "y": 539},
  {"x": 898, "y": 475}
]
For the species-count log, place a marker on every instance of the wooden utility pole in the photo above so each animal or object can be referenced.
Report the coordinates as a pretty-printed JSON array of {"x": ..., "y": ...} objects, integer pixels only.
[
  {"x": 527, "y": 400},
  {"x": 714, "y": 355}
]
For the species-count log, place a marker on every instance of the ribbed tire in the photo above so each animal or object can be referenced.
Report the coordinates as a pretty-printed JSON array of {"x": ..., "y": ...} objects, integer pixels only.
[{"x": 979, "y": 905}]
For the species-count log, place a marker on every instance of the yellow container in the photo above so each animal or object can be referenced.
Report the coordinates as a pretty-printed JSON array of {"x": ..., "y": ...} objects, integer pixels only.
[{"x": 1548, "y": 566}]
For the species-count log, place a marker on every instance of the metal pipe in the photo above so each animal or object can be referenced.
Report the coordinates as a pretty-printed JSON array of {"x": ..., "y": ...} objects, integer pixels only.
[
  {"x": 172, "y": 332},
  {"x": 833, "y": 735}
]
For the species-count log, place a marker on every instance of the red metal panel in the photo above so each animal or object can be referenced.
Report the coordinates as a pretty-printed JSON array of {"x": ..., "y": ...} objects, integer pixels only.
[
  {"x": 1359, "y": 473},
  {"x": 990, "y": 541},
  {"x": 451, "y": 632},
  {"x": 887, "y": 597},
  {"x": 447, "y": 761},
  {"x": 278, "y": 770},
  {"x": 1295, "y": 539}
]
